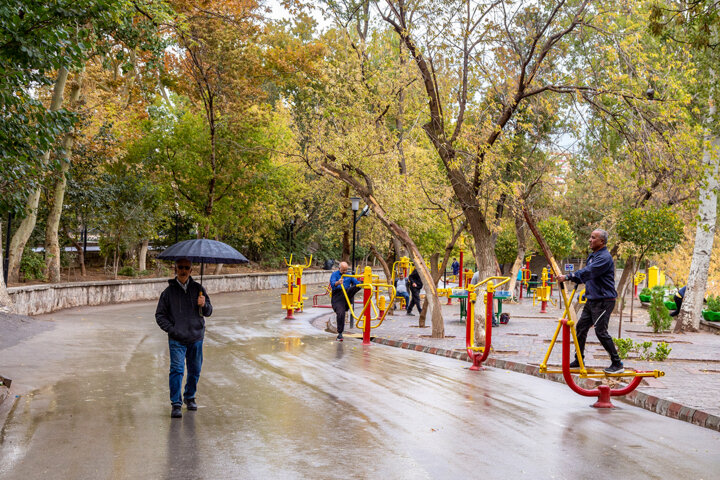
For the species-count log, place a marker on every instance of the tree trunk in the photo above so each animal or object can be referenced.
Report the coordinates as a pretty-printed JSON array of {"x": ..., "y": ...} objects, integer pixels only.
[
  {"x": 520, "y": 258},
  {"x": 438, "y": 326},
  {"x": 6, "y": 304},
  {"x": 22, "y": 234},
  {"x": 435, "y": 273},
  {"x": 218, "y": 269},
  {"x": 345, "y": 255},
  {"x": 52, "y": 243},
  {"x": 691, "y": 311},
  {"x": 142, "y": 256},
  {"x": 623, "y": 283}
]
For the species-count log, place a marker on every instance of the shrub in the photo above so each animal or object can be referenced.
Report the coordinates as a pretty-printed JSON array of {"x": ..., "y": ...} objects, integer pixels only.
[
  {"x": 625, "y": 346},
  {"x": 646, "y": 291},
  {"x": 32, "y": 265},
  {"x": 713, "y": 303},
  {"x": 660, "y": 318},
  {"x": 127, "y": 271}
]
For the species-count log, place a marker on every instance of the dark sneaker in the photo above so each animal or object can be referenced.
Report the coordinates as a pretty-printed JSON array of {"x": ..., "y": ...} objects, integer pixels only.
[
  {"x": 339, "y": 337},
  {"x": 176, "y": 411},
  {"x": 410, "y": 314},
  {"x": 575, "y": 364},
  {"x": 615, "y": 368},
  {"x": 191, "y": 405}
]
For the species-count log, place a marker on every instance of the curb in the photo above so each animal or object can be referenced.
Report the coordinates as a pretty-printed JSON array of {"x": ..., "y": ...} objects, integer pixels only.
[{"x": 640, "y": 399}]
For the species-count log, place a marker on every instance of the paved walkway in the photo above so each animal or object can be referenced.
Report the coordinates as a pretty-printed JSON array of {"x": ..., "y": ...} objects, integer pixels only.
[{"x": 690, "y": 389}]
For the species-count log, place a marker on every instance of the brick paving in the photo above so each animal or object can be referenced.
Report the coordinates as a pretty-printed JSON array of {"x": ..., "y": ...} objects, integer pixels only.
[{"x": 690, "y": 389}]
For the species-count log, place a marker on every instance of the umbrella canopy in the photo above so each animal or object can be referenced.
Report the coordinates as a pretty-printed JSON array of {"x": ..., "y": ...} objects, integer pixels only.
[{"x": 204, "y": 251}]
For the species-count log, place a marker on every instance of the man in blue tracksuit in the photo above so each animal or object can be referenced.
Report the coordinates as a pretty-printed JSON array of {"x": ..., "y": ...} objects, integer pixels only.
[
  {"x": 599, "y": 279},
  {"x": 679, "y": 296}
]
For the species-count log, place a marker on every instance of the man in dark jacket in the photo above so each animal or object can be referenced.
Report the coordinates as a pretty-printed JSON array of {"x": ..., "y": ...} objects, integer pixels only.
[
  {"x": 599, "y": 279},
  {"x": 180, "y": 312},
  {"x": 415, "y": 285}
]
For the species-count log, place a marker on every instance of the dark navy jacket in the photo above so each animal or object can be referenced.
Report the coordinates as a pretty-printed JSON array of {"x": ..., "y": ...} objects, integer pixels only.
[
  {"x": 178, "y": 313},
  {"x": 598, "y": 276}
]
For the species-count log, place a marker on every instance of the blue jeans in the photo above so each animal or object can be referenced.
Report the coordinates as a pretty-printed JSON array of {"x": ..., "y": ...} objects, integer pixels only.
[{"x": 179, "y": 355}]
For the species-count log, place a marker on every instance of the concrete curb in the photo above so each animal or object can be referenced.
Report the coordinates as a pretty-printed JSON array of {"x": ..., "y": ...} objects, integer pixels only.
[{"x": 637, "y": 398}]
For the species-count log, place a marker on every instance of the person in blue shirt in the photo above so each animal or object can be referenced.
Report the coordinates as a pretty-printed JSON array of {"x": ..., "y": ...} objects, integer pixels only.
[
  {"x": 339, "y": 303},
  {"x": 678, "y": 301},
  {"x": 455, "y": 267},
  {"x": 599, "y": 279}
]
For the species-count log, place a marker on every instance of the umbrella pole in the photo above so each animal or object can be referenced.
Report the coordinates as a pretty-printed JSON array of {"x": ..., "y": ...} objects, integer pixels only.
[{"x": 202, "y": 271}]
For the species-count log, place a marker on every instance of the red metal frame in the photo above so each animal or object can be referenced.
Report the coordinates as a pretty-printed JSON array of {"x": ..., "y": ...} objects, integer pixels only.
[
  {"x": 367, "y": 293},
  {"x": 603, "y": 392},
  {"x": 315, "y": 298},
  {"x": 478, "y": 358}
]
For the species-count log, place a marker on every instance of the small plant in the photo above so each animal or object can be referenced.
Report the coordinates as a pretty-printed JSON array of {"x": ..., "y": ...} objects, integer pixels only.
[
  {"x": 646, "y": 291},
  {"x": 127, "y": 271},
  {"x": 713, "y": 303},
  {"x": 32, "y": 265},
  {"x": 626, "y": 346},
  {"x": 660, "y": 318},
  {"x": 662, "y": 351}
]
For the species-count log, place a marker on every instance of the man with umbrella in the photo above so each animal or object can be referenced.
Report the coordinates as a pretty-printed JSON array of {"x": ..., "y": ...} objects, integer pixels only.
[{"x": 180, "y": 312}]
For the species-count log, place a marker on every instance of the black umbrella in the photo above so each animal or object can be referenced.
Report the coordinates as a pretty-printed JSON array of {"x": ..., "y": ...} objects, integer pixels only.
[{"x": 203, "y": 250}]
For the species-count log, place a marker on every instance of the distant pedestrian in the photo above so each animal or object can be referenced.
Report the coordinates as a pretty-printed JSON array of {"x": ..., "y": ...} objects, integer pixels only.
[
  {"x": 415, "y": 285},
  {"x": 599, "y": 279},
  {"x": 455, "y": 267},
  {"x": 181, "y": 312},
  {"x": 401, "y": 289},
  {"x": 475, "y": 278},
  {"x": 338, "y": 301},
  {"x": 679, "y": 296}
]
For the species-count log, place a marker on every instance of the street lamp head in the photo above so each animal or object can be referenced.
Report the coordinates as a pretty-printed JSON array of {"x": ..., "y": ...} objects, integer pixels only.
[{"x": 355, "y": 203}]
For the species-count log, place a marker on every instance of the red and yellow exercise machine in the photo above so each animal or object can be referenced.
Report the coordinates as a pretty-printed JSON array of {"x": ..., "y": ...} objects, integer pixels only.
[
  {"x": 372, "y": 311},
  {"x": 542, "y": 293},
  {"x": 293, "y": 300},
  {"x": 525, "y": 276},
  {"x": 603, "y": 392},
  {"x": 403, "y": 265},
  {"x": 479, "y": 354}
]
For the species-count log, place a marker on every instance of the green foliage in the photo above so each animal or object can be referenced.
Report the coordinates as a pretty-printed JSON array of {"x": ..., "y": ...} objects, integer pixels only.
[
  {"x": 127, "y": 271},
  {"x": 32, "y": 265},
  {"x": 660, "y": 318},
  {"x": 626, "y": 346},
  {"x": 662, "y": 351},
  {"x": 713, "y": 303},
  {"x": 558, "y": 235},
  {"x": 646, "y": 291},
  {"x": 506, "y": 246},
  {"x": 651, "y": 230}
]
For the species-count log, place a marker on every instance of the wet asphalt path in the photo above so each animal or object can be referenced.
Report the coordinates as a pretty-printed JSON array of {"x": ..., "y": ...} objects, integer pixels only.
[{"x": 282, "y": 400}]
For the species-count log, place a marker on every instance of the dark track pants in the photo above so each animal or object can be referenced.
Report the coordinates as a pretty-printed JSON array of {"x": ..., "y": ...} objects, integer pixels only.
[
  {"x": 340, "y": 305},
  {"x": 597, "y": 313}
]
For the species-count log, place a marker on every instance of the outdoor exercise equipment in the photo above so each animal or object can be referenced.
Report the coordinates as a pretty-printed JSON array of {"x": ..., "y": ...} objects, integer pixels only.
[
  {"x": 525, "y": 276},
  {"x": 655, "y": 277},
  {"x": 293, "y": 300},
  {"x": 371, "y": 311},
  {"x": 479, "y": 354},
  {"x": 405, "y": 265},
  {"x": 542, "y": 293},
  {"x": 603, "y": 392},
  {"x": 639, "y": 277},
  {"x": 326, "y": 291}
]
